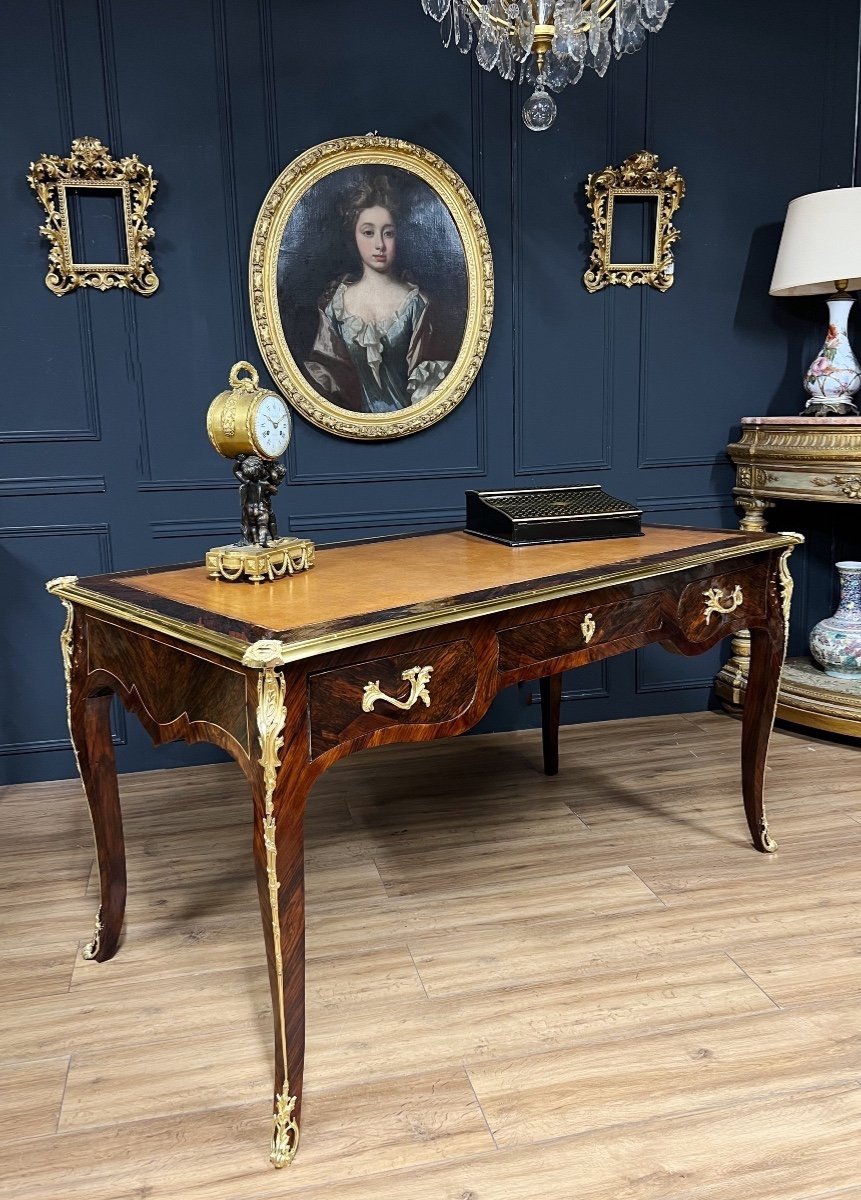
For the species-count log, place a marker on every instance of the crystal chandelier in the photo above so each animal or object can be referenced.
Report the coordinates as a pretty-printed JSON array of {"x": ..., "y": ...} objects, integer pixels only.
[{"x": 547, "y": 42}]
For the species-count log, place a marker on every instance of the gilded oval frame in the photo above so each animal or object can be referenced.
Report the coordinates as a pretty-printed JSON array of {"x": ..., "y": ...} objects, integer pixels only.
[{"x": 293, "y": 182}]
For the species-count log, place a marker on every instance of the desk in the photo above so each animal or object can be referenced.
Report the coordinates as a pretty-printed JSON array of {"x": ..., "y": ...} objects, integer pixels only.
[{"x": 384, "y": 641}]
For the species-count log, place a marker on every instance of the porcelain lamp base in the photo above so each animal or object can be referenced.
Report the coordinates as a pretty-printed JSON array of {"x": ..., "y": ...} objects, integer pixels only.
[{"x": 834, "y": 376}]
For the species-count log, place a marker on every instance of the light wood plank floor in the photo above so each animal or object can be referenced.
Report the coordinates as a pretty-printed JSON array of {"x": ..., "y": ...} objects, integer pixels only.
[{"x": 518, "y": 987}]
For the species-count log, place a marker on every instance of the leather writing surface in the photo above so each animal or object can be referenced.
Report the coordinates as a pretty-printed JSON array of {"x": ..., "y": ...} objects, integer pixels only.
[{"x": 353, "y": 582}]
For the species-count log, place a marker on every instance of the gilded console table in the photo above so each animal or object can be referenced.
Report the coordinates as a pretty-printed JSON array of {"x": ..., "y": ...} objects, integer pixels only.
[
  {"x": 796, "y": 458},
  {"x": 385, "y": 641}
]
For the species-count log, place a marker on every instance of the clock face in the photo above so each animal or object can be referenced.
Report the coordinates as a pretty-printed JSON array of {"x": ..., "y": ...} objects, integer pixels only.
[{"x": 272, "y": 426}]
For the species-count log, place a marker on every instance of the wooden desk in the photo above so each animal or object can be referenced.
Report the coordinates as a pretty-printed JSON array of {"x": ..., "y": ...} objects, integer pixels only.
[{"x": 393, "y": 640}]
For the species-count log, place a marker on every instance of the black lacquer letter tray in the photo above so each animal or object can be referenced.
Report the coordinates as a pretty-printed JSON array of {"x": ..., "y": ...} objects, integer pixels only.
[{"x": 535, "y": 515}]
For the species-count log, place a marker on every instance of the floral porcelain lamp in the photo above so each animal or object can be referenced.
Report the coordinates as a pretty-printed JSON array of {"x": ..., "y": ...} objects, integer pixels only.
[{"x": 820, "y": 255}]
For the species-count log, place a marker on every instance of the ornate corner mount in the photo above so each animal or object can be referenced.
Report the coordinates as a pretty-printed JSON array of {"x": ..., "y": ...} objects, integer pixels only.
[
  {"x": 271, "y": 719},
  {"x": 787, "y": 584},
  {"x": 714, "y": 598},
  {"x": 90, "y": 167},
  {"x": 55, "y": 585},
  {"x": 418, "y": 679},
  {"x": 637, "y": 178},
  {"x": 91, "y": 950},
  {"x": 285, "y": 1135},
  {"x": 264, "y": 654}
]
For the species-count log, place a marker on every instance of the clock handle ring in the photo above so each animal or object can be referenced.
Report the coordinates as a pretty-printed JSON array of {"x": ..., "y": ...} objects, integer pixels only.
[{"x": 248, "y": 384}]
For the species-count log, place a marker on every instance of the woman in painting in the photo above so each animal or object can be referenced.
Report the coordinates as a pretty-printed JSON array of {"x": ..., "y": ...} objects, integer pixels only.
[{"x": 373, "y": 349}]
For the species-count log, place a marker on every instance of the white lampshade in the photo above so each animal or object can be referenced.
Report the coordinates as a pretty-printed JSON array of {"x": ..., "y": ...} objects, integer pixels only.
[{"x": 821, "y": 243}]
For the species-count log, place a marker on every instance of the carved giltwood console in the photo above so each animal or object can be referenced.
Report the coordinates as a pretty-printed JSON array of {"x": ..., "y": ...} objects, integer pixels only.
[
  {"x": 386, "y": 641},
  {"x": 796, "y": 458}
]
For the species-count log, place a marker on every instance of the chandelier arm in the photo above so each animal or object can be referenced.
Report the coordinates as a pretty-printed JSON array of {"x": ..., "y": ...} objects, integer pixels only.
[
  {"x": 476, "y": 6},
  {"x": 605, "y": 8}
]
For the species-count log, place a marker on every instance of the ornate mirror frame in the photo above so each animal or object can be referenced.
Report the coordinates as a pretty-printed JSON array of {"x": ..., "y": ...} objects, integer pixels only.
[
  {"x": 91, "y": 167},
  {"x": 638, "y": 177},
  {"x": 286, "y": 192}
]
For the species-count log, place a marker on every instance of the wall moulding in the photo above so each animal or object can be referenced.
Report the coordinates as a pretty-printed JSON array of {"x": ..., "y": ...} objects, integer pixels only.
[
  {"x": 653, "y": 504},
  {"x": 105, "y": 557},
  {"x": 666, "y": 683},
  {"x": 57, "y": 485},
  {"x": 441, "y": 518},
  {"x": 603, "y": 460},
  {"x": 599, "y": 692}
]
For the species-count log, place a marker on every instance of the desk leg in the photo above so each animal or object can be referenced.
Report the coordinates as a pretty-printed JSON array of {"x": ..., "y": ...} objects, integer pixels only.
[
  {"x": 279, "y": 805},
  {"x": 90, "y": 731},
  {"x": 551, "y": 697},
  {"x": 767, "y": 652}
]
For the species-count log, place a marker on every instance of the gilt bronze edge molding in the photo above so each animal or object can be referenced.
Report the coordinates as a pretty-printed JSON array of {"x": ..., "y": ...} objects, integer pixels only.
[
  {"x": 290, "y": 652},
  {"x": 184, "y": 631}
]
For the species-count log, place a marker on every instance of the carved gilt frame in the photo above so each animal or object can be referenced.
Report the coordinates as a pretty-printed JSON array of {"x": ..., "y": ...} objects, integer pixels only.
[
  {"x": 637, "y": 177},
  {"x": 91, "y": 167},
  {"x": 287, "y": 190}
]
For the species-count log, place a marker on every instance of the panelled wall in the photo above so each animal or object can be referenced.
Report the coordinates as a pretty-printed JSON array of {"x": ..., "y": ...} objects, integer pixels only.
[{"x": 105, "y": 463}]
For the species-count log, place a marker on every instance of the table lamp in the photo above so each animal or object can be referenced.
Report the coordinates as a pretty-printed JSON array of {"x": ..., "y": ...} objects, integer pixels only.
[{"x": 820, "y": 255}]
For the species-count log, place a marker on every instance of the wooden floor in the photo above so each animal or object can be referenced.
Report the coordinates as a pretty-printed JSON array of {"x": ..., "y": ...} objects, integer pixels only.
[{"x": 520, "y": 988}]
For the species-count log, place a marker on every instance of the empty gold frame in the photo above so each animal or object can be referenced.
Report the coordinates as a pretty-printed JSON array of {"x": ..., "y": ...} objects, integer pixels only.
[
  {"x": 637, "y": 178},
  {"x": 91, "y": 168}
]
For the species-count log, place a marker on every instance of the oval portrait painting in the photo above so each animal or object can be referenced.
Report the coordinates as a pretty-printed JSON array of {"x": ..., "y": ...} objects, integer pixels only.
[{"x": 371, "y": 286}]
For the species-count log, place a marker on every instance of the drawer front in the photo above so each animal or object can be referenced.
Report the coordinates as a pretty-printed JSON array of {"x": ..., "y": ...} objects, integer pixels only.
[
  {"x": 723, "y": 602},
  {"x": 595, "y": 625},
  {"x": 425, "y": 687}
]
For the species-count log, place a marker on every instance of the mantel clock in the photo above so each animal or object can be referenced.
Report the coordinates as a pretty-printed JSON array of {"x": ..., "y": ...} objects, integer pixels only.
[{"x": 252, "y": 426}]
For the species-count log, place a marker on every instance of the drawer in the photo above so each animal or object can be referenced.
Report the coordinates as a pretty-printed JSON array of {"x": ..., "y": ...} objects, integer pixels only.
[
  {"x": 427, "y": 686},
  {"x": 595, "y": 625},
  {"x": 723, "y": 602}
]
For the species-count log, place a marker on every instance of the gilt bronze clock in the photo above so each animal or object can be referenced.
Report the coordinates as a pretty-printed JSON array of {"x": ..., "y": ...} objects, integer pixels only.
[{"x": 252, "y": 426}]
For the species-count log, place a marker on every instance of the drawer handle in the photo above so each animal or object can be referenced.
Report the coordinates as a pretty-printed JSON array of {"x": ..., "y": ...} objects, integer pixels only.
[
  {"x": 588, "y": 628},
  {"x": 714, "y": 596},
  {"x": 416, "y": 677}
]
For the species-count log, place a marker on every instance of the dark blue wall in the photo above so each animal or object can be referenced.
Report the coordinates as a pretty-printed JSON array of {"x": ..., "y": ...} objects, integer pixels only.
[{"x": 105, "y": 464}]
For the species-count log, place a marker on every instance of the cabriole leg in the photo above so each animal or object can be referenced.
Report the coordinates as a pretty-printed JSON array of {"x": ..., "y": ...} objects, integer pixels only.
[
  {"x": 90, "y": 726},
  {"x": 767, "y": 652},
  {"x": 279, "y": 805},
  {"x": 90, "y": 731}
]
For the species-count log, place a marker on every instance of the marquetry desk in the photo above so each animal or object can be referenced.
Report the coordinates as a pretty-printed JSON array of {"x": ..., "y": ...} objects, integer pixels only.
[{"x": 383, "y": 641}]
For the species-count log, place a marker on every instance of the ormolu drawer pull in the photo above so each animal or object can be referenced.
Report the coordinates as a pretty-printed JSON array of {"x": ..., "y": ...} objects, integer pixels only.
[
  {"x": 713, "y": 604},
  {"x": 416, "y": 677},
  {"x": 588, "y": 628}
]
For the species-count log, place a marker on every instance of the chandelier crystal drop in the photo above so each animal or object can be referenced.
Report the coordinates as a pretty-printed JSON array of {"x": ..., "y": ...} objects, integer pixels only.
[{"x": 549, "y": 43}]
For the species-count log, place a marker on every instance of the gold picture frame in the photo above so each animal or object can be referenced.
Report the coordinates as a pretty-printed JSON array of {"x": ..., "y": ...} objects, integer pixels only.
[
  {"x": 333, "y": 364},
  {"x": 637, "y": 178},
  {"x": 90, "y": 167}
]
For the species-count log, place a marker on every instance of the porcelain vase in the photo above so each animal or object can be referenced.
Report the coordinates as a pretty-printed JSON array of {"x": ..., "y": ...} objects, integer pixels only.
[
  {"x": 834, "y": 376},
  {"x": 835, "y": 643}
]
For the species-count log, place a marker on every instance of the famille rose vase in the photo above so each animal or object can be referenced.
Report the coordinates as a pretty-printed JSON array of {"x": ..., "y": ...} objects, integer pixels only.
[
  {"x": 834, "y": 376},
  {"x": 835, "y": 643}
]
